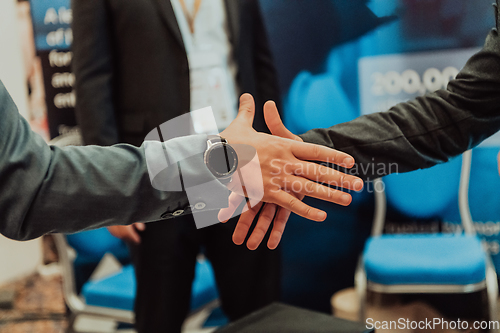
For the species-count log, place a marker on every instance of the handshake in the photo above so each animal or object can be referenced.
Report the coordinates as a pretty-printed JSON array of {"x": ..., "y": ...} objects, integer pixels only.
[
  {"x": 266, "y": 175},
  {"x": 282, "y": 174}
]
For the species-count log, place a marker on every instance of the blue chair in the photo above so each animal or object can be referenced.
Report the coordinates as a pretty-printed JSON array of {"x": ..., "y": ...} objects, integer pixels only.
[
  {"x": 317, "y": 101},
  {"x": 112, "y": 296},
  {"x": 483, "y": 194},
  {"x": 425, "y": 263}
]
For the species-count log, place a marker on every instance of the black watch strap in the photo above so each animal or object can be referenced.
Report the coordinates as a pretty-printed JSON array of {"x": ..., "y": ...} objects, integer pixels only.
[{"x": 216, "y": 138}]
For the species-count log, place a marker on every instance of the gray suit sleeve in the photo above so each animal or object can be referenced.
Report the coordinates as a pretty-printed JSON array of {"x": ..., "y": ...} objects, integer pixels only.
[
  {"x": 428, "y": 130},
  {"x": 49, "y": 189}
]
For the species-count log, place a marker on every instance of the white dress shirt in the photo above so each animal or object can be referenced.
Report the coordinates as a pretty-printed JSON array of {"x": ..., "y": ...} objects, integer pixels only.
[{"x": 210, "y": 39}]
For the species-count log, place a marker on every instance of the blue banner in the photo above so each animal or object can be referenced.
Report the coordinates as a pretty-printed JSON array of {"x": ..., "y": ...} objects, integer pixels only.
[
  {"x": 52, "y": 24},
  {"x": 53, "y": 37}
]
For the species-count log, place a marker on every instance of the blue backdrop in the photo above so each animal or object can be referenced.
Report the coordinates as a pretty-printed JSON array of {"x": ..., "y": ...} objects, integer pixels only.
[{"x": 338, "y": 59}]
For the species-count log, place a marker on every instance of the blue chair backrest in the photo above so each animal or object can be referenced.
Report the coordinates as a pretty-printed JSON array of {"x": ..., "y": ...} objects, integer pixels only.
[
  {"x": 91, "y": 245},
  {"x": 484, "y": 200},
  {"x": 315, "y": 102},
  {"x": 425, "y": 193}
]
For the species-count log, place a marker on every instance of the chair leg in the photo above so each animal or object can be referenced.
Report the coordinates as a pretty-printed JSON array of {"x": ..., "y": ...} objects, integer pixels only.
[
  {"x": 492, "y": 292},
  {"x": 361, "y": 285},
  {"x": 71, "y": 323}
]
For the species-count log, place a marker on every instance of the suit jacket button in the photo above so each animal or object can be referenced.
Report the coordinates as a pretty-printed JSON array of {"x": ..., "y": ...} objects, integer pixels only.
[
  {"x": 178, "y": 212},
  {"x": 200, "y": 205}
]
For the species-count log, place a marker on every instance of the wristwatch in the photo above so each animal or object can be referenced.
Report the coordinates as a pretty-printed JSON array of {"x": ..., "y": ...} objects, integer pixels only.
[{"x": 220, "y": 158}]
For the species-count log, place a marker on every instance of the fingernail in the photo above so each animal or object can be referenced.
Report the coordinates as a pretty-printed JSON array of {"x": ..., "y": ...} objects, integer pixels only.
[
  {"x": 245, "y": 97},
  {"x": 272, "y": 246},
  {"x": 252, "y": 247},
  {"x": 321, "y": 215},
  {"x": 237, "y": 241},
  {"x": 358, "y": 185},
  {"x": 348, "y": 161},
  {"x": 346, "y": 199}
]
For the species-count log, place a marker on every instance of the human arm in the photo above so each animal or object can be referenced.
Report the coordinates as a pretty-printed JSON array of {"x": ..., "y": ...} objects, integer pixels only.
[
  {"x": 428, "y": 130},
  {"x": 94, "y": 73},
  {"x": 413, "y": 135},
  {"x": 50, "y": 189},
  {"x": 93, "y": 68}
]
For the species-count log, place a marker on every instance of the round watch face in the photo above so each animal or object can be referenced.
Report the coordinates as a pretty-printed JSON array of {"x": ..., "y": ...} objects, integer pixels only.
[{"x": 222, "y": 160}]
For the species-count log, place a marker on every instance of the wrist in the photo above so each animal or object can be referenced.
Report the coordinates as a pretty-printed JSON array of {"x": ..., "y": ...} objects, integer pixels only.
[
  {"x": 220, "y": 158},
  {"x": 227, "y": 135}
]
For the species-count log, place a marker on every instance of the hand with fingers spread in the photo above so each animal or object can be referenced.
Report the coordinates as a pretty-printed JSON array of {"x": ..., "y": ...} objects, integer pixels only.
[
  {"x": 287, "y": 176},
  {"x": 269, "y": 212}
]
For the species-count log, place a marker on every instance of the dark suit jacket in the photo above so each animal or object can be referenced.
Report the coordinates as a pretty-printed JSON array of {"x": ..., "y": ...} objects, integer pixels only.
[
  {"x": 48, "y": 189},
  {"x": 132, "y": 70},
  {"x": 430, "y": 129}
]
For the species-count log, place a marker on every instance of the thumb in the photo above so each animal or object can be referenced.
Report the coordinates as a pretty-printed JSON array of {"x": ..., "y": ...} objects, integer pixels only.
[
  {"x": 246, "y": 112},
  {"x": 274, "y": 123}
]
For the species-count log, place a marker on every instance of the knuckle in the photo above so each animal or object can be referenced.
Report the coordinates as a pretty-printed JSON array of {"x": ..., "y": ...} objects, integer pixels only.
[
  {"x": 336, "y": 195},
  {"x": 260, "y": 231},
  {"x": 315, "y": 151},
  {"x": 309, "y": 187},
  {"x": 277, "y": 233},
  {"x": 308, "y": 211},
  {"x": 280, "y": 145},
  {"x": 323, "y": 174},
  {"x": 244, "y": 224},
  {"x": 267, "y": 215},
  {"x": 342, "y": 180},
  {"x": 292, "y": 203},
  {"x": 255, "y": 209}
]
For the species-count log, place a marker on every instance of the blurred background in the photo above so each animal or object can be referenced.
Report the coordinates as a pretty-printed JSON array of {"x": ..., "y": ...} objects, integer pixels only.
[{"x": 336, "y": 60}]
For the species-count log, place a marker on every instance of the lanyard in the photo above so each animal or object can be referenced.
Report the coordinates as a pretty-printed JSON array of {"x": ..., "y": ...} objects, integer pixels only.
[{"x": 191, "y": 17}]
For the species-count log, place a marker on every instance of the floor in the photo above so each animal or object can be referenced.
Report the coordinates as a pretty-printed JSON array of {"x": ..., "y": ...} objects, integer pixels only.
[
  {"x": 39, "y": 308},
  {"x": 38, "y": 305}
]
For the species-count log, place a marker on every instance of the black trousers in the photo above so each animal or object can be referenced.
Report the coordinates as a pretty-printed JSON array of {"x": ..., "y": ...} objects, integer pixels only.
[{"x": 165, "y": 262}]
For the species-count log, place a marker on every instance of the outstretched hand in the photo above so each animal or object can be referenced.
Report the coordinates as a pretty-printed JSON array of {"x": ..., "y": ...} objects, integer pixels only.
[
  {"x": 287, "y": 176},
  {"x": 269, "y": 213}
]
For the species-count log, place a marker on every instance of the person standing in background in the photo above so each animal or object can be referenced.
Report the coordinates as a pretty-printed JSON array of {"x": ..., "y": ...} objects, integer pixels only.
[{"x": 140, "y": 63}]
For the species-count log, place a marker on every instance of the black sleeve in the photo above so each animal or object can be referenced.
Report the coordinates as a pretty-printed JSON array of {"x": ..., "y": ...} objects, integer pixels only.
[
  {"x": 428, "y": 130},
  {"x": 93, "y": 68}
]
